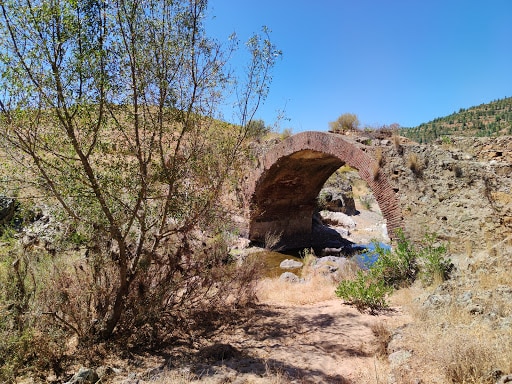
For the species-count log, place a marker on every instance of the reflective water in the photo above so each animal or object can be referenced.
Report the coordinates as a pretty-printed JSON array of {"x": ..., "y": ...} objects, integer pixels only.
[
  {"x": 364, "y": 254},
  {"x": 272, "y": 260},
  {"x": 367, "y": 255}
]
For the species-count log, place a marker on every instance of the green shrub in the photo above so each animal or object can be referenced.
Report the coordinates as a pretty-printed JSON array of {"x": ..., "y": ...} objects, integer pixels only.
[
  {"x": 405, "y": 261},
  {"x": 366, "y": 292},
  {"x": 396, "y": 269},
  {"x": 77, "y": 238},
  {"x": 366, "y": 202}
]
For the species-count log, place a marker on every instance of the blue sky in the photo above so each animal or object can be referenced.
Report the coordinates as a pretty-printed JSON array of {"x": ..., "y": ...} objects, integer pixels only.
[{"x": 394, "y": 61}]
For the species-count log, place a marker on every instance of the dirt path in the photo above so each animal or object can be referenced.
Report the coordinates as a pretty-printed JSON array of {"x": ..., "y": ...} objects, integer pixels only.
[
  {"x": 322, "y": 342},
  {"x": 326, "y": 342}
]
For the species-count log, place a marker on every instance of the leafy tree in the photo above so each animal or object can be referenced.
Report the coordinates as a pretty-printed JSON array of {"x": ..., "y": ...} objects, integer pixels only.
[
  {"x": 257, "y": 128},
  {"x": 107, "y": 109},
  {"x": 344, "y": 123}
]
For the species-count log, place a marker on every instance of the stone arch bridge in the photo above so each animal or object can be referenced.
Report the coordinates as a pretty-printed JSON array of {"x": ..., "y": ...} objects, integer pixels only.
[{"x": 282, "y": 191}]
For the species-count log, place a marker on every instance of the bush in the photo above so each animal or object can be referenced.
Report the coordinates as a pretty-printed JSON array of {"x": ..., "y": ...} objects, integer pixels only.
[
  {"x": 404, "y": 262},
  {"x": 344, "y": 123},
  {"x": 394, "y": 270},
  {"x": 46, "y": 300},
  {"x": 366, "y": 292},
  {"x": 257, "y": 129}
]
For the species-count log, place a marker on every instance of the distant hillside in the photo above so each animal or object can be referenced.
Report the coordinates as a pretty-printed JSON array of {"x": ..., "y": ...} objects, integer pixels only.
[{"x": 492, "y": 119}]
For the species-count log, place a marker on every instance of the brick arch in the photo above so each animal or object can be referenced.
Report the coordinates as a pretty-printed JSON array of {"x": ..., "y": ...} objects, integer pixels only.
[{"x": 282, "y": 191}]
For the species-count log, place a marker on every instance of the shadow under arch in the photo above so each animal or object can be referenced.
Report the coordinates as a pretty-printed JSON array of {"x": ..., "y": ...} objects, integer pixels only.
[{"x": 282, "y": 191}]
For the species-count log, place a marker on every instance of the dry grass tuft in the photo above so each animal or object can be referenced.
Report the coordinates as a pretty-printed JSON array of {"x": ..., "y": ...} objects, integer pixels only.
[
  {"x": 397, "y": 144},
  {"x": 383, "y": 336},
  {"x": 308, "y": 259},
  {"x": 375, "y": 171},
  {"x": 272, "y": 239},
  {"x": 469, "y": 361},
  {"x": 415, "y": 164},
  {"x": 379, "y": 157}
]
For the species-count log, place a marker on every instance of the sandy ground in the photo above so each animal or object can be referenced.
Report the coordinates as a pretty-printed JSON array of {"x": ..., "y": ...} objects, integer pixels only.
[
  {"x": 325, "y": 342},
  {"x": 370, "y": 225}
]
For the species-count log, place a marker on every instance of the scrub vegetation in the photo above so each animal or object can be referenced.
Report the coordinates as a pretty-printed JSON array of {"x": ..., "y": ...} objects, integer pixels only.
[
  {"x": 108, "y": 123},
  {"x": 485, "y": 120}
]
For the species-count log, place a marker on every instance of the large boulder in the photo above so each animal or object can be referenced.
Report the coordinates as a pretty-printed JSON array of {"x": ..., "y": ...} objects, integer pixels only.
[
  {"x": 337, "y": 200},
  {"x": 338, "y": 219}
]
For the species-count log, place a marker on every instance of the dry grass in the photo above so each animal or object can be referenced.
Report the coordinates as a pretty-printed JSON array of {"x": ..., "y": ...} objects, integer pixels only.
[
  {"x": 274, "y": 291},
  {"x": 375, "y": 171},
  {"x": 397, "y": 144},
  {"x": 377, "y": 373},
  {"x": 383, "y": 336},
  {"x": 463, "y": 353},
  {"x": 379, "y": 157},
  {"x": 318, "y": 284},
  {"x": 460, "y": 347},
  {"x": 185, "y": 377},
  {"x": 272, "y": 239},
  {"x": 467, "y": 360},
  {"x": 415, "y": 164},
  {"x": 360, "y": 187}
]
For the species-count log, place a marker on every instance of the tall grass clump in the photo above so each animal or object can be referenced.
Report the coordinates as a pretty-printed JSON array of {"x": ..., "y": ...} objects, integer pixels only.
[
  {"x": 395, "y": 269},
  {"x": 415, "y": 164},
  {"x": 29, "y": 339}
]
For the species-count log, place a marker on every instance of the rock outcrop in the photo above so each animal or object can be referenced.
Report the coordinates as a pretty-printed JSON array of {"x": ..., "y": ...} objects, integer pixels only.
[{"x": 337, "y": 200}]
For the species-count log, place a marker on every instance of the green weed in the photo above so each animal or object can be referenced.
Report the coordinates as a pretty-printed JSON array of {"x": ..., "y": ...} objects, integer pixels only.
[{"x": 435, "y": 266}]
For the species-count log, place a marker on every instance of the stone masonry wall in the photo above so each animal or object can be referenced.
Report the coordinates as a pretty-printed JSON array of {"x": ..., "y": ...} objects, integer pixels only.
[{"x": 459, "y": 188}]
